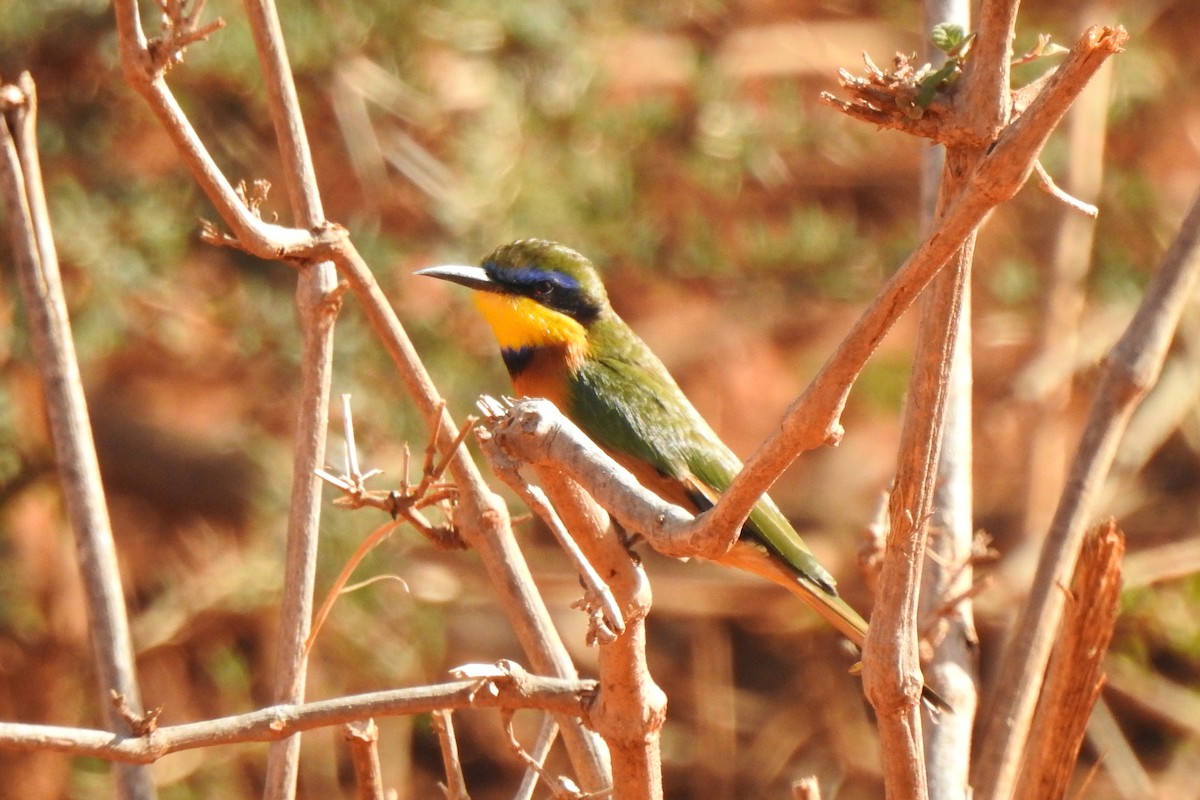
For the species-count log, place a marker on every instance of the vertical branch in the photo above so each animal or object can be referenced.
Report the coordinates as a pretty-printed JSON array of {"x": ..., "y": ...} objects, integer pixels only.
[
  {"x": 456, "y": 784},
  {"x": 1129, "y": 371},
  {"x": 892, "y": 673},
  {"x": 363, "y": 739},
  {"x": 79, "y": 472},
  {"x": 987, "y": 83},
  {"x": 941, "y": 374},
  {"x": 630, "y": 708},
  {"x": 949, "y": 634},
  {"x": 317, "y": 307},
  {"x": 482, "y": 517}
]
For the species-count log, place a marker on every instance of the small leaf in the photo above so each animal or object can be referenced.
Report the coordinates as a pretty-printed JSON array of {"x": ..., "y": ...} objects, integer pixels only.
[
  {"x": 933, "y": 82},
  {"x": 946, "y": 36}
]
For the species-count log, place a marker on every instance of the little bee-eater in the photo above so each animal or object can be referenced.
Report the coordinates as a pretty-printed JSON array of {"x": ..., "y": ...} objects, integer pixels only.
[{"x": 561, "y": 340}]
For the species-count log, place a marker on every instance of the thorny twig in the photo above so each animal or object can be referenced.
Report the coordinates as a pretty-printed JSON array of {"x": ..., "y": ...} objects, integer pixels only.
[
  {"x": 403, "y": 504},
  {"x": 180, "y": 28},
  {"x": 407, "y": 500}
]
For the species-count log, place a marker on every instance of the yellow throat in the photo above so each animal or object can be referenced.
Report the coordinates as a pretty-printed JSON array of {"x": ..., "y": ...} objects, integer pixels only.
[{"x": 520, "y": 323}]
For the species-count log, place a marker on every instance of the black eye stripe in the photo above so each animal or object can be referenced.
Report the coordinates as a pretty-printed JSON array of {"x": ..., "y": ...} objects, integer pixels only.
[{"x": 555, "y": 290}]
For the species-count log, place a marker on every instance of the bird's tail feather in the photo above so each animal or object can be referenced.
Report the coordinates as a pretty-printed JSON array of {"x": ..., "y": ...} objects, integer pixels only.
[{"x": 833, "y": 609}]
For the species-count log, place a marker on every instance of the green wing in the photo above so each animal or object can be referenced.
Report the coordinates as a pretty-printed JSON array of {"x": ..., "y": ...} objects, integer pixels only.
[{"x": 627, "y": 402}]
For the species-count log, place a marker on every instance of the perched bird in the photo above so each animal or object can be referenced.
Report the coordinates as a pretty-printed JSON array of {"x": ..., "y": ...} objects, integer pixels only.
[{"x": 561, "y": 340}]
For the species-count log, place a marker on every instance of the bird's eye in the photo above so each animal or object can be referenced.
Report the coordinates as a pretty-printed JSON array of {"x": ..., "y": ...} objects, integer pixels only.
[{"x": 543, "y": 289}]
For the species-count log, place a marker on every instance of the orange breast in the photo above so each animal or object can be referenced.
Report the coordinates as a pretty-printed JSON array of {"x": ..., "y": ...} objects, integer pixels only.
[{"x": 544, "y": 374}]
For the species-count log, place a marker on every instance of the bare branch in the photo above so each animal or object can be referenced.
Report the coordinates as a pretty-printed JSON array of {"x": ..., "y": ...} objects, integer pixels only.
[
  {"x": 511, "y": 687},
  {"x": 541, "y": 749},
  {"x": 363, "y": 738},
  {"x": 607, "y": 619},
  {"x": 561, "y": 787},
  {"x": 814, "y": 418},
  {"x": 456, "y": 784},
  {"x": 535, "y": 432},
  {"x": 37, "y": 268},
  {"x": 1075, "y": 676}
]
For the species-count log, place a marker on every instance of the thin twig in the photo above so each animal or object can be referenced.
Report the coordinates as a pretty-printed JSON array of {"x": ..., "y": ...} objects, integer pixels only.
[
  {"x": 561, "y": 787},
  {"x": 1051, "y": 188},
  {"x": 339, "y": 583},
  {"x": 547, "y": 733},
  {"x": 37, "y": 270},
  {"x": 456, "y": 784},
  {"x": 510, "y": 687}
]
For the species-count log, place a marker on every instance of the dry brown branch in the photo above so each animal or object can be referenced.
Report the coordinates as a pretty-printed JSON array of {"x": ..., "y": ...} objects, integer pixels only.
[
  {"x": 506, "y": 686},
  {"x": 814, "y": 418},
  {"x": 318, "y": 301},
  {"x": 561, "y": 787},
  {"x": 455, "y": 787},
  {"x": 945, "y": 629},
  {"x": 1047, "y": 184},
  {"x": 1075, "y": 676},
  {"x": 37, "y": 268},
  {"x": 533, "y": 431},
  {"x": 926, "y": 484},
  {"x": 892, "y": 676},
  {"x": 606, "y": 617},
  {"x": 481, "y": 516},
  {"x": 363, "y": 739},
  {"x": 1129, "y": 371},
  {"x": 630, "y": 708}
]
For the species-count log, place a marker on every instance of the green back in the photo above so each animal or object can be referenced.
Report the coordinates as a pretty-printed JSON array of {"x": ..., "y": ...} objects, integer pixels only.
[{"x": 625, "y": 400}]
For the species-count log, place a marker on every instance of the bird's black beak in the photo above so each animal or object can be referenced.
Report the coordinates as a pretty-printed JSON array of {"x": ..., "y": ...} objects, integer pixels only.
[{"x": 471, "y": 277}]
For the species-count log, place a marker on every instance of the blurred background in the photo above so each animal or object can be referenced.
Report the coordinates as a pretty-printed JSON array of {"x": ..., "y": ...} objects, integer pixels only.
[{"x": 741, "y": 226}]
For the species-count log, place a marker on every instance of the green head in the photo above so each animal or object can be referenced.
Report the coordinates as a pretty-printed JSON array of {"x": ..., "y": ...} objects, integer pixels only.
[{"x": 534, "y": 293}]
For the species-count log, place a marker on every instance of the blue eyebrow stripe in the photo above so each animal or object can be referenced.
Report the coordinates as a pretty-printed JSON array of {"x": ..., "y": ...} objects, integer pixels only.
[{"x": 527, "y": 276}]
